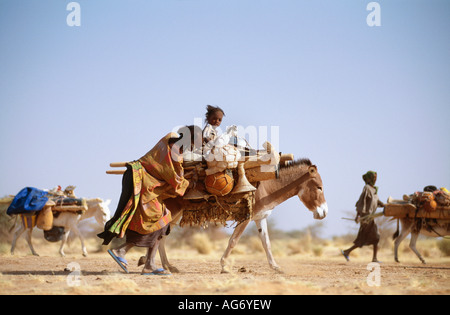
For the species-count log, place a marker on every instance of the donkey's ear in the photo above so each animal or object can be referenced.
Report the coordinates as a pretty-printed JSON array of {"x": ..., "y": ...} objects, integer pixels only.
[{"x": 312, "y": 170}]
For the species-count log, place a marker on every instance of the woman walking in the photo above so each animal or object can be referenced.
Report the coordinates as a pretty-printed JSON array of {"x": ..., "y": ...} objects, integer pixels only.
[
  {"x": 141, "y": 214},
  {"x": 367, "y": 205}
]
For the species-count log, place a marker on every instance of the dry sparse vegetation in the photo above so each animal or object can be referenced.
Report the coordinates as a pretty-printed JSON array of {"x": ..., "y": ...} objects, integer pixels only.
[{"x": 311, "y": 265}]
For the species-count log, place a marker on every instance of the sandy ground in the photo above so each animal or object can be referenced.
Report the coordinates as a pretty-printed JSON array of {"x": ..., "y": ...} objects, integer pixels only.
[{"x": 200, "y": 274}]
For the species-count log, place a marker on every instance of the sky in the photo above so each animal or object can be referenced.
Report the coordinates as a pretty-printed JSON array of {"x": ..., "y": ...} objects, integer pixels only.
[{"x": 348, "y": 96}]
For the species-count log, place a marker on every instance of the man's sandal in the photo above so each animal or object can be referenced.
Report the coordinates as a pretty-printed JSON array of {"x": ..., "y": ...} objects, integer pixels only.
[{"x": 122, "y": 262}]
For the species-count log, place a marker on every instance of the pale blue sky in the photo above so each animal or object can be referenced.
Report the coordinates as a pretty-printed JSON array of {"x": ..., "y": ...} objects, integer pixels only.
[{"x": 350, "y": 97}]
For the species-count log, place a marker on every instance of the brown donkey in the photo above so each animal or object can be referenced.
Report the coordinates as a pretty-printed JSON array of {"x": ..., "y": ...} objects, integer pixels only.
[{"x": 298, "y": 179}]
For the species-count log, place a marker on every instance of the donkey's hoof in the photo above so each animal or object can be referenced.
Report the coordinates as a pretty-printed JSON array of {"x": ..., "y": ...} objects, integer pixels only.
[
  {"x": 142, "y": 261},
  {"x": 173, "y": 269}
]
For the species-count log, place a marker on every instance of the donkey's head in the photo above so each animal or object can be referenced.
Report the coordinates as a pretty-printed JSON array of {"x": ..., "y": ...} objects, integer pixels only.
[
  {"x": 311, "y": 194},
  {"x": 98, "y": 208}
]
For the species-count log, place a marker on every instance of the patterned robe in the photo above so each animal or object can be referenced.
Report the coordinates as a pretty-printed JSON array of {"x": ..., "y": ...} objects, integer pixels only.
[{"x": 157, "y": 175}]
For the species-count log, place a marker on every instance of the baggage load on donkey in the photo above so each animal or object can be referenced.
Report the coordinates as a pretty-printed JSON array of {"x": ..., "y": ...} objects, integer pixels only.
[
  {"x": 432, "y": 203},
  {"x": 223, "y": 188},
  {"x": 44, "y": 205},
  {"x": 219, "y": 193}
]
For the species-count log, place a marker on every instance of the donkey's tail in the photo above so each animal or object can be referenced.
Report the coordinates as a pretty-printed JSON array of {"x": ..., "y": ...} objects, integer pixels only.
[{"x": 397, "y": 233}]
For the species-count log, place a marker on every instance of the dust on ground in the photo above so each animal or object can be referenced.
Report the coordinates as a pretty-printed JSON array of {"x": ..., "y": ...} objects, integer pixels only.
[{"x": 303, "y": 273}]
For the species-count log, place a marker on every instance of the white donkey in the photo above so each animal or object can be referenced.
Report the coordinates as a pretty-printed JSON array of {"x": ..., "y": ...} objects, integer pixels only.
[
  {"x": 97, "y": 208},
  {"x": 427, "y": 227}
]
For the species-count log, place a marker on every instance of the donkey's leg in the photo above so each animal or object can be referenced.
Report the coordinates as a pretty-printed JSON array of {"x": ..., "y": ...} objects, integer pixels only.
[
  {"x": 264, "y": 236},
  {"x": 234, "y": 239},
  {"x": 17, "y": 233},
  {"x": 412, "y": 245},
  {"x": 150, "y": 264},
  {"x": 28, "y": 238},
  {"x": 162, "y": 246},
  {"x": 63, "y": 243},
  {"x": 75, "y": 230},
  {"x": 163, "y": 255},
  {"x": 406, "y": 229}
]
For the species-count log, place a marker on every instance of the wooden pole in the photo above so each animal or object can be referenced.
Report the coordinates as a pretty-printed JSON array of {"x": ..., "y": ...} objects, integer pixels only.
[
  {"x": 251, "y": 163},
  {"x": 116, "y": 172},
  {"x": 118, "y": 164}
]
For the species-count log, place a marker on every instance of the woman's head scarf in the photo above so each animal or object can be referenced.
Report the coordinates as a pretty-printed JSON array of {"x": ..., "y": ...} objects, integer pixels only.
[{"x": 370, "y": 178}]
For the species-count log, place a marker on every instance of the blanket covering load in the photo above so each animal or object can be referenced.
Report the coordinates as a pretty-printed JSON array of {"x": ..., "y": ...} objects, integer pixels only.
[
  {"x": 156, "y": 176},
  {"x": 28, "y": 200}
]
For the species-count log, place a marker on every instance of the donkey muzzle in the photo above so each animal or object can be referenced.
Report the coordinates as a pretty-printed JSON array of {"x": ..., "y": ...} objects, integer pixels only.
[{"x": 321, "y": 211}]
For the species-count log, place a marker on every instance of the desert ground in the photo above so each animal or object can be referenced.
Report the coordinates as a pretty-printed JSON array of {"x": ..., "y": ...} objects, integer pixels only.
[{"x": 309, "y": 267}]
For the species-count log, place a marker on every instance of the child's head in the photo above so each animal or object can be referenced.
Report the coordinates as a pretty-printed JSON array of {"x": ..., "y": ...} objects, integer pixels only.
[{"x": 214, "y": 115}]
